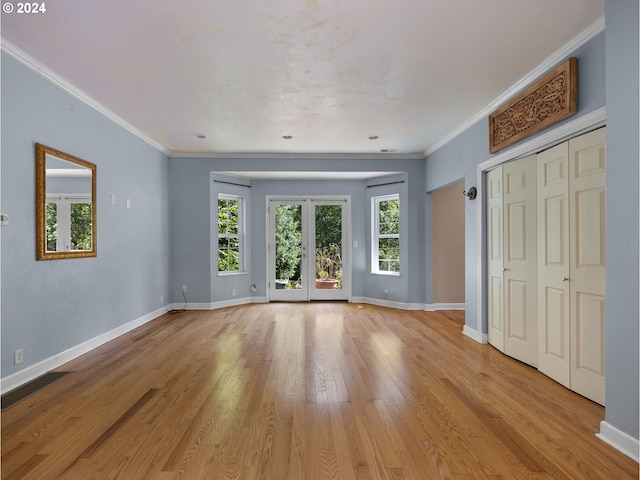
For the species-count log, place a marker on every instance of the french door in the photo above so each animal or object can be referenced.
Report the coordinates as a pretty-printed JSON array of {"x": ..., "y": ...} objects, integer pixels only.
[{"x": 307, "y": 249}]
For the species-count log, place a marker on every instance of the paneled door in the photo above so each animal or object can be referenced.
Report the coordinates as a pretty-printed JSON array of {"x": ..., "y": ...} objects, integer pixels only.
[
  {"x": 520, "y": 264},
  {"x": 587, "y": 191},
  {"x": 553, "y": 264},
  {"x": 495, "y": 233},
  {"x": 308, "y": 249},
  {"x": 512, "y": 282},
  {"x": 571, "y": 224}
]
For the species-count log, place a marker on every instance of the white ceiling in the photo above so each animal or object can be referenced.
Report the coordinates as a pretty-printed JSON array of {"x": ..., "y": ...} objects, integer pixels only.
[{"x": 329, "y": 73}]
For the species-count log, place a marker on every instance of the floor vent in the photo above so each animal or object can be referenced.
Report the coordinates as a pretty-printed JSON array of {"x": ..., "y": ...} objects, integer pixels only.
[{"x": 28, "y": 389}]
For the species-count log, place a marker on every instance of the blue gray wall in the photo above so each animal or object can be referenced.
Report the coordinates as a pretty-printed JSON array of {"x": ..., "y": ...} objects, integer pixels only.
[
  {"x": 622, "y": 215},
  {"x": 193, "y": 260},
  {"x": 51, "y": 306}
]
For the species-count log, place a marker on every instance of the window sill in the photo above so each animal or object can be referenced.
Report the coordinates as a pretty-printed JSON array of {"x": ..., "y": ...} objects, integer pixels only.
[
  {"x": 387, "y": 274},
  {"x": 231, "y": 274}
]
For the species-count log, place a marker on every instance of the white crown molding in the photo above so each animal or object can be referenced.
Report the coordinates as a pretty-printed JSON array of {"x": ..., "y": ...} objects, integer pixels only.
[
  {"x": 54, "y": 78},
  {"x": 550, "y": 62},
  {"x": 325, "y": 156}
]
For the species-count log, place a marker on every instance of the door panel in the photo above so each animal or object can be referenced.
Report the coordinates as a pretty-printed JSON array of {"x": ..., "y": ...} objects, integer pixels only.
[
  {"x": 556, "y": 336},
  {"x": 517, "y": 310},
  {"x": 287, "y": 250},
  {"x": 495, "y": 261},
  {"x": 553, "y": 263},
  {"x": 330, "y": 277},
  {"x": 587, "y": 167},
  {"x": 520, "y": 264}
]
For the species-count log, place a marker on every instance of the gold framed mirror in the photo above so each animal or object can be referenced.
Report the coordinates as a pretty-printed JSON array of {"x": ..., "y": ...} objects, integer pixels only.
[{"x": 65, "y": 205}]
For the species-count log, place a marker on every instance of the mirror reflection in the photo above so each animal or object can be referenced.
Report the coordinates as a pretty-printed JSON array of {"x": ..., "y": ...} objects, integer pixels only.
[{"x": 65, "y": 205}]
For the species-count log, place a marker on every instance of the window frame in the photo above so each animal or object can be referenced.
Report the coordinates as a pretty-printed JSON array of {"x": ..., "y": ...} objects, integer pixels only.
[
  {"x": 376, "y": 236},
  {"x": 240, "y": 236}
]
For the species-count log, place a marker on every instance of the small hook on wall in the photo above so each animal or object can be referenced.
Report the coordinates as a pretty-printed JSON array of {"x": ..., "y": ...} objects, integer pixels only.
[{"x": 472, "y": 193}]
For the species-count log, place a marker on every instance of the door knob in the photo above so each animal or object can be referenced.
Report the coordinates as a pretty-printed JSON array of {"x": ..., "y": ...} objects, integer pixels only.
[
  {"x": 505, "y": 269},
  {"x": 565, "y": 279}
]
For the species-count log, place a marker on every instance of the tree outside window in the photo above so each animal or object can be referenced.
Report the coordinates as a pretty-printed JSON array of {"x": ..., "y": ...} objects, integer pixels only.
[
  {"x": 386, "y": 235},
  {"x": 68, "y": 224},
  {"x": 229, "y": 233}
]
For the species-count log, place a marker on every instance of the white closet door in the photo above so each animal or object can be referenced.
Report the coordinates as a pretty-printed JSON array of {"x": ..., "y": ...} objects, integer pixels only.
[
  {"x": 553, "y": 264},
  {"x": 495, "y": 259},
  {"x": 520, "y": 264},
  {"x": 587, "y": 185}
]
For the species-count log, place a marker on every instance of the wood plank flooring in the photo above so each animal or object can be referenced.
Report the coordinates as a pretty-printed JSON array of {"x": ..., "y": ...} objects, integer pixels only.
[{"x": 305, "y": 391}]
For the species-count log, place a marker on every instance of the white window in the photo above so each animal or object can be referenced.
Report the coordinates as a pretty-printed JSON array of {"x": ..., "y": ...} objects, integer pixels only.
[
  {"x": 68, "y": 223},
  {"x": 385, "y": 241},
  {"x": 230, "y": 233}
]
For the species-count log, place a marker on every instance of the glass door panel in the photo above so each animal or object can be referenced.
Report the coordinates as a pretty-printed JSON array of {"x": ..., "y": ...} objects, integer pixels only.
[
  {"x": 330, "y": 247},
  {"x": 328, "y": 240},
  {"x": 288, "y": 251}
]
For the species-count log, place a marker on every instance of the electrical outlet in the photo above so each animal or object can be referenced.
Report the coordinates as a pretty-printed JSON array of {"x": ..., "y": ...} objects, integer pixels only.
[
  {"x": 161, "y": 299},
  {"x": 233, "y": 292},
  {"x": 184, "y": 289},
  {"x": 18, "y": 356}
]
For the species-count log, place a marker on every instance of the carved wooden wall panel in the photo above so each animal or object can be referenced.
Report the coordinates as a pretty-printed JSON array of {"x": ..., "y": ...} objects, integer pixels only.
[{"x": 551, "y": 99}]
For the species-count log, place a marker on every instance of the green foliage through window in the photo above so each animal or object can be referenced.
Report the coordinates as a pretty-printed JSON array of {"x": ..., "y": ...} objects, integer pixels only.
[
  {"x": 328, "y": 231},
  {"x": 288, "y": 242},
  {"x": 68, "y": 225},
  {"x": 229, "y": 234},
  {"x": 81, "y": 226},
  {"x": 386, "y": 256},
  {"x": 52, "y": 227}
]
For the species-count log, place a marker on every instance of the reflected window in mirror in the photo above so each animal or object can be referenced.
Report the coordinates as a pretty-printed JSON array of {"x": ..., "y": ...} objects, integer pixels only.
[{"x": 65, "y": 204}]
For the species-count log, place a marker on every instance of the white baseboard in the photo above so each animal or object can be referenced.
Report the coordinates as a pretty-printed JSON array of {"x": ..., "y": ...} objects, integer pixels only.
[
  {"x": 215, "y": 305},
  {"x": 31, "y": 372},
  {"x": 619, "y": 440},
  {"x": 429, "y": 307},
  {"x": 189, "y": 306},
  {"x": 449, "y": 306},
  {"x": 358, "y": 300},
  {"x": 236, "y": 301},
  {"x": 388, "y": 303},
  {"x": 475, "y": 335}
]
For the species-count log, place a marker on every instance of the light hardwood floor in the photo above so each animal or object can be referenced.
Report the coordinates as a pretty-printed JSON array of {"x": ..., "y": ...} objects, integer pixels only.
[{"x": 305, "y": 391}]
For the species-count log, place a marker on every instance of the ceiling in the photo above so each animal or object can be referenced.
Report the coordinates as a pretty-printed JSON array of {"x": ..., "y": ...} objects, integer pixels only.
[{"x": 343, "y": 77}]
